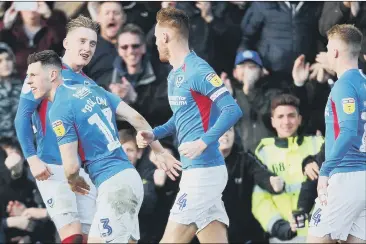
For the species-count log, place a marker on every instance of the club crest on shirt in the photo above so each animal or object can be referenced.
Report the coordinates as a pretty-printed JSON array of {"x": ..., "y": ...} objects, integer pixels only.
[
  {"x": 59, "y": 128},
  {"x": 179, "y": 80},
  {"x": 349, "y": 105},
  {"x": 214, "y": 79}
]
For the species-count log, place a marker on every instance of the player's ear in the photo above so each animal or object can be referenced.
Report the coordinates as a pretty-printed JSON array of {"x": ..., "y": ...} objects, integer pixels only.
[
  {"x": 54, "y": 74},
  {"x": 165, "y": 37},
  {"x": 65, "y": 43}
]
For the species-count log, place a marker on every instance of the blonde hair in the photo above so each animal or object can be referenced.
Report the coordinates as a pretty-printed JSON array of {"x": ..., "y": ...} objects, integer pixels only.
[
  {"x": 349, "y": 34},
  {"x": 174, "y": 18},
  {"x": 82, "y": 21}
]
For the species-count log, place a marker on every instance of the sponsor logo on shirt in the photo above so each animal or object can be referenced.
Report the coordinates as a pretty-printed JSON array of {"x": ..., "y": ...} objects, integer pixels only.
[
  {"x": 177, "y": 100},
  {"x": 214, "y": 79},
  {"x": 58, "y": 128},
  {"x": 349, "y": 106}
]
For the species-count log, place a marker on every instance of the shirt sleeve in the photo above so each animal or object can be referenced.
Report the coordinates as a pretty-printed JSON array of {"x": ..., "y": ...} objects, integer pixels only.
[
  {"x": 209, "y": 84},
  {"x": 113, "y": 99},
  {"x": 63, "y": 124},
  {"x": 347, "y": 113},
  {"x": 23, "y": 120},
  {"x": 165, "y": 130}
]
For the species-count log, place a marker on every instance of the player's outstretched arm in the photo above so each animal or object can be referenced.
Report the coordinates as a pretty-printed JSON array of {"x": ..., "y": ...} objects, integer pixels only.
[{"x": 166, "y": 161}]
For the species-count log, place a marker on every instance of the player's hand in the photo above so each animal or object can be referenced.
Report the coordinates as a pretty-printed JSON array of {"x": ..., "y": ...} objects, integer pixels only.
[
  {"x": 35, "y": 213},
  {"x": 39, "y": 169},
  {"x": 322, "y": 189},
  {"x": 169, "y": 164},
  {"x": 300, "y": 71},
  {"x": 79, "y": 185},
  {"x": 10, "y": 16},
  {"x": 277, "y": 183},
  {"x": 15, "y": 208},
  {"x": 312, "y": 170},
  {"x": 192, "y": 149},
  {"x": 144, "y": 138},
  {"x": 44, "y": 10}
]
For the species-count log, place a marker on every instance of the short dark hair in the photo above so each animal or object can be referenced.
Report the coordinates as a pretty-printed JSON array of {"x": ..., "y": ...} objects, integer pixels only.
[
  {"x": 82, "y": 21},
  {"x": 174, "y": 18},
  {"x": 133, "y": 29},
  {"x": 285, "y": 100},
  {"x": 127, "y": 135},
  {"x": 46, "y": 57}
]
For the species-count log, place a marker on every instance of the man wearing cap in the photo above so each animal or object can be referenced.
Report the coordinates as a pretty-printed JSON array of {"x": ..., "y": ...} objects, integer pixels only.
[{"x": 254, "y": 89}]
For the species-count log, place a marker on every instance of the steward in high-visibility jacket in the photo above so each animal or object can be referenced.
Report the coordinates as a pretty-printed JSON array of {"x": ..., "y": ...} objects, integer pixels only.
[{"x": 286, "y": 158}]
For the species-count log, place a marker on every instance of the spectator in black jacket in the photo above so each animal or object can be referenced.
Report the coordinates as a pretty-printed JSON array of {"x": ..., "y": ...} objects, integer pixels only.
[
  {"x": 244, "y": 171},
  {"x": 208, "y": 32},
  {"x": 280, "y": 32},
  {"x": 345, "y": 13},
  {"x": 254, "y": 89},
  {"x": 20, "y": 200},
  {"x": 137, "y": 80},
  {"x": 111, "y": 17}
]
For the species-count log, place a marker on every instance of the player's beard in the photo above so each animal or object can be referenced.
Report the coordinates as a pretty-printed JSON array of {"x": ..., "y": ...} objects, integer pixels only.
[{"x": 164, "y": 55}]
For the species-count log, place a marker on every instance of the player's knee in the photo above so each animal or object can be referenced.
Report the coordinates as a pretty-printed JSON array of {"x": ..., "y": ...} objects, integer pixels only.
[{"x": 76, "y": 238}]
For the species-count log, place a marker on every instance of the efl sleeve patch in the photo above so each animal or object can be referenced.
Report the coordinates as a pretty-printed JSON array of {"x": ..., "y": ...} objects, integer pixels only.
[
  {"x": 214, "y": 79},
  {"x": 59, "y": 128},
  {"x": 349, "y": 105}
]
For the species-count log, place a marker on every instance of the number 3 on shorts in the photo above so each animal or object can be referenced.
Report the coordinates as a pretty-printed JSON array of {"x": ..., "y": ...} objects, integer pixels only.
[{"x": 104, "y": 228}]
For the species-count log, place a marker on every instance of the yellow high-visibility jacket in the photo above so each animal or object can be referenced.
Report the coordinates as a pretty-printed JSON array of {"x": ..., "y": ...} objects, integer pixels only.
[{"x": 284, "y": 157}]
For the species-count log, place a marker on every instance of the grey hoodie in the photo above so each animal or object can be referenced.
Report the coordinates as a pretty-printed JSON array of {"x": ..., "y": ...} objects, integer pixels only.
[{"x": 10, "y": 88}]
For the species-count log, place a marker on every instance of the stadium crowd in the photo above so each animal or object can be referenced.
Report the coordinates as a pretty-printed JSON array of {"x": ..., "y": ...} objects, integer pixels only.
[{"x": 270, "y": 55}]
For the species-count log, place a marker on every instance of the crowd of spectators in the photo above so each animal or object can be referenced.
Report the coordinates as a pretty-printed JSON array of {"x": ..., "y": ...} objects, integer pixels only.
[{"x": 270, "y": 55}]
